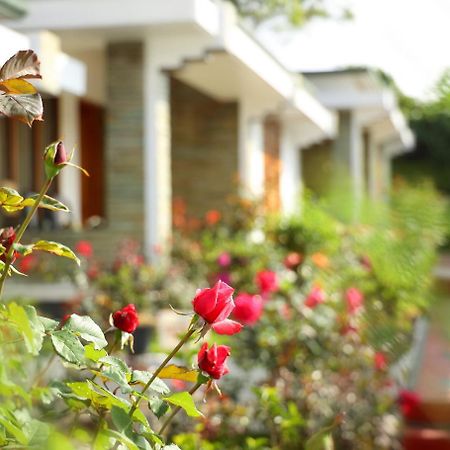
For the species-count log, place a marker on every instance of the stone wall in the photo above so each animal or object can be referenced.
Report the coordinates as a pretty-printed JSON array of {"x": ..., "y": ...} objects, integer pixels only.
[
  {"x": 124, "y": 140},
  {"x": 204, "y": 149}
]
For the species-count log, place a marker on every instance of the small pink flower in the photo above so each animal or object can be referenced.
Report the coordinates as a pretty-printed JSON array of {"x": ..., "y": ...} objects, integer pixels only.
[
  {"x": 224, "y": 259},
  {"x": 293, "y": 260},
  {"x": 380, "y": 361},
  {"x": 267, "y": 282},
  {"x": 84, "y": 248},
  {"x": 315, "y": 297},
  {"x": 354, "y": 300},
  {"x": 214, "y": 305},
  {"x": 248, "y": 308},
  {"x": 213, "y": 360}
]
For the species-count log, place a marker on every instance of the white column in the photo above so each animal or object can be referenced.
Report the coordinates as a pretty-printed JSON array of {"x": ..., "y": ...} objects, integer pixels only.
[
  {"x": 290, "y": 176},
  {"x": 157, "y": 145},
  {"x": 70, "y": 178},
  {"x": 251, "y": 152}
]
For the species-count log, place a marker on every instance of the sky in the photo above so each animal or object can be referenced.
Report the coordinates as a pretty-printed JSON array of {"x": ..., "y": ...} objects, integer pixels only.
[{"x": 409, "y": 39}]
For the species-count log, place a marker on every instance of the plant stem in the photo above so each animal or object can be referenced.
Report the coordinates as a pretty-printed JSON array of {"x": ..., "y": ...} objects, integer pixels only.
[
  {"x": 40, "y": 374},
  {"x": 175, "y": 411},
  {"x": 180, "y": 344},
  {"x": 21, "y": 231}
]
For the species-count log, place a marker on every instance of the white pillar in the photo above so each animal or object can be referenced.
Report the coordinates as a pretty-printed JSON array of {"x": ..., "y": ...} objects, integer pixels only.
[
  {"x": 70, "y": 178},
  {"x": 290, "y": 176},
  {"x": 157, "y": 170},
  {"x": 251, "y": 152}
]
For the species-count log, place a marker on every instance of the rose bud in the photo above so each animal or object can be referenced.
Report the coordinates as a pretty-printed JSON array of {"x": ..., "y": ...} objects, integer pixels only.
[
  {"x": 354, "y": 300},
  {"x": 248, "y": 308},
  {"x": 224, "y": 259},
  {"x": 380, "y": 361},
  {"x": 315, "y": 297},
  {"x": 267, "y": 282},
  {"x": 7, "y": 238},
  {"x": 212, "y": 360},
  {"x": 214, "y": 305},
  {"x": 126, "y": 319},
  {"x": 55, "y": 159}
]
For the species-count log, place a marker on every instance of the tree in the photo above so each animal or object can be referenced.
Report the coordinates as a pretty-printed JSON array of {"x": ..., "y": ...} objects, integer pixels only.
[{"x": 298, "y": 12}]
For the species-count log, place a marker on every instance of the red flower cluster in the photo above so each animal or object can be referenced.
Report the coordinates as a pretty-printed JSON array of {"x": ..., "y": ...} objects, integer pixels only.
[
  {"x": 213, "y": 360},
  {"x": 214, "y": 305},
  {"x": 267, "y": 282},
  {"x": 248, "y": 308},
  {"x": 126, "y": 319}
]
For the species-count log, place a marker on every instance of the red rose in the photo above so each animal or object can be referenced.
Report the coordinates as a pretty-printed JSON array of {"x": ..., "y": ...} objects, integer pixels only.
[
  {"x": 214, "y": 305},
  {"x": 212, "y": 360},
  {"x": 7, "y": 238},
  {"x": 293, "y": 260},
  {"x": 354, "y": 300},
  {"x": 315, "y": 297},
  {"x": 248, "y": 308},
  {"x": 126, "y": 319},
  {"x": 84, "y": 248},
  {"x": 267, "y": 282},
  {"x": 380, "y": 361},
  {"x": 408, "y": 402}
]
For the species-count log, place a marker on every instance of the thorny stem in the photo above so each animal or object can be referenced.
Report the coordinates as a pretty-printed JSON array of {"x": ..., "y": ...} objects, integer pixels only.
[
  {"x": 175, "y": 411},
  {"x": 21, "y": 231}
]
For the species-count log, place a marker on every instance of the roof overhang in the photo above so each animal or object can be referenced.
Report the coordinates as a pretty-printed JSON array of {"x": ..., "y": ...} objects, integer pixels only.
[
  {"x": 374, "y": 104},
  {"x": 231, "y": 62}
]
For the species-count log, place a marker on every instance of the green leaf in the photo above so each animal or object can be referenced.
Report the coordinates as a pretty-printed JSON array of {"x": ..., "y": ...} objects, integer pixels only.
[
  {"x": 143, "y": 377},
  {"x": 68, "y": 346},
  {"x": 10, "y": 199},
  {"x": 185, "y": 401},
  {"x": 129, "y": 444},
  {"x": 87, "y": 329},
  {"x": 122, "y": 421},
  {"x": 28, "y": 325},
  {"x": 14, "y": 430},
  {"x": 319, "y": 439},
  {"x": 171, "y": 447},
  {"x": 57, "y": 249},
  {"x": 47, "y": 202},
  {"x": 158, "y": 406},
  {"x": 48, "y": 324},
  {"x": 94, "y": 355}
]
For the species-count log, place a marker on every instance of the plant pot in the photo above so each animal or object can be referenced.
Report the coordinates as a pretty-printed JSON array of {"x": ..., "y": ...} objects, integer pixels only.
[{"x": 142, "y": 338}]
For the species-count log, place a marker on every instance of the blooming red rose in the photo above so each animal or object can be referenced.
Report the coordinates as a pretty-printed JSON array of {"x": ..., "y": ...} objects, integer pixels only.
[
  {"x": 248, "y": 308},
  {"x": 267, "y": 282},
  {"x": 354, "y": 299},
  {"x": 7, "y": 238},
  {"x": 380, "y": 361},
  {"x": 126, "y": 319},
  {"x": 84, "y": 248},
  {"x": 214, "y": 305},
  {"x": 293, "y": 260},
  {"x": 315, "y": 297},
  {"x": 409, "y": 402},
  {"x": 213, "y": 360}
]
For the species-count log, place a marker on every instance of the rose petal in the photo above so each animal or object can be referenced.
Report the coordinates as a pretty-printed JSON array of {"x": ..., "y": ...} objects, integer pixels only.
[{"x": 228, "y": 327}]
